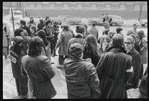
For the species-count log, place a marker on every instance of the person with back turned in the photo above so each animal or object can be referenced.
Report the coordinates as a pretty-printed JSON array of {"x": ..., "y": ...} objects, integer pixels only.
[{"x": 114, "y": 70}]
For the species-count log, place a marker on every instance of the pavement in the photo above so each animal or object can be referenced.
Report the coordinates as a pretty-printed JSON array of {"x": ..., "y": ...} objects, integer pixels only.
[
  {"x": 9, "y": 87},
  {"x": 59, "y": 82}
]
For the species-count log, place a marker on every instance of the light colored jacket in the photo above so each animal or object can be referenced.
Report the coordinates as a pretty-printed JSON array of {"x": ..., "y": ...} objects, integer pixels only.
[{"x": 62, "y": 43}]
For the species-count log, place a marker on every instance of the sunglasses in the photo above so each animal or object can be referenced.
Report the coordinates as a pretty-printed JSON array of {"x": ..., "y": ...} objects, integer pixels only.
[{"x": 128, "y": 43}]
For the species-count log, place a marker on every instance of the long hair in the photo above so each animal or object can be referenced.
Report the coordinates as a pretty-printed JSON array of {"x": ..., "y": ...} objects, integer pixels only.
[
  {"x": 90, "y": 44},
  {"x": 42, "y": 35},
  {"x": 35, "y": 46},
  {"x": 104, "y": 37}
]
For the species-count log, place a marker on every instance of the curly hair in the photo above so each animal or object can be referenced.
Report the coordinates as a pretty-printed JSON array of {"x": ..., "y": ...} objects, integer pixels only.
[{"x": 90, "y": 45}]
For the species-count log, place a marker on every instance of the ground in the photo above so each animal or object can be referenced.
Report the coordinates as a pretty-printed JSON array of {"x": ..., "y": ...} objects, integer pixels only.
[{"x": 9, "y": 89}]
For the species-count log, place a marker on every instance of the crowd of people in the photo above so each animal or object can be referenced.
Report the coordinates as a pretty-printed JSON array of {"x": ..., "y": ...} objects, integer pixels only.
[{"x": 96, "y": 66}]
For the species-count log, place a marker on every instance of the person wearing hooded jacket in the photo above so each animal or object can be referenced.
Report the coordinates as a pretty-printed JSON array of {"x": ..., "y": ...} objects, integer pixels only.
[
  {"x": 21, "y": 32},
  {"x": 16, "y": 54}
]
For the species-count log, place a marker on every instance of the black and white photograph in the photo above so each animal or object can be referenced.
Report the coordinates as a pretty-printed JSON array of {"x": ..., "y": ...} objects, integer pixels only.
[{"x": 75, "y": 50}]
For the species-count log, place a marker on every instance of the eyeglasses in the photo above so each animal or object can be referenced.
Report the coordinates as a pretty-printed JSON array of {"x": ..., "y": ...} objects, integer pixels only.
[{"x": 128, "y": 43}]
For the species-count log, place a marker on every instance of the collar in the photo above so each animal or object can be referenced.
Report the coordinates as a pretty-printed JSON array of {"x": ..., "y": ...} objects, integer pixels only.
[
  {"x": 79, "y": 35},
  {"x": 131, "y": 51},
  {"x": 115, "y": 49}
]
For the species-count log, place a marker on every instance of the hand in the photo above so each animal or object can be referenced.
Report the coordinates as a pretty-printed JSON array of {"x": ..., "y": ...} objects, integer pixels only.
[{"x": 89, "y": 59}]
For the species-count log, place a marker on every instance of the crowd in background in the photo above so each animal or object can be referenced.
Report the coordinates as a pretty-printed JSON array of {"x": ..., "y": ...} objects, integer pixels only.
[{"x": 96, "y": 66}]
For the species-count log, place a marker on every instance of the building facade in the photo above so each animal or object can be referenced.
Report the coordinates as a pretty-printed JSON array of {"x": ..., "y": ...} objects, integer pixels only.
[{"x": 41, "y": 9}]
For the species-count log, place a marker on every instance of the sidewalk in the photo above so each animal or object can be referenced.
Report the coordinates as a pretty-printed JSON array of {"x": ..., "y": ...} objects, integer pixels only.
[{"x": 9, "y": 87}]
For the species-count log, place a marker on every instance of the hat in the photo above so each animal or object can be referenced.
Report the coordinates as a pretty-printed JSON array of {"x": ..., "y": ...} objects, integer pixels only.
[
  {"x": 118, "y": 29},
  {"x": 18, "y": 39},
  {"x": 75, "y": 50}
]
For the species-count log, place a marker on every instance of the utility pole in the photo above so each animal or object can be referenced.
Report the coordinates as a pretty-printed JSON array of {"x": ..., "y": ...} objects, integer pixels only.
[
  {"x": 141, "y": 6},
  {"x": 12, "y": 19}
]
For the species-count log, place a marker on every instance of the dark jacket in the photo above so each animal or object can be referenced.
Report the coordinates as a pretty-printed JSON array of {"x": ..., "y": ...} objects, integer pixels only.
[
  {"x": 40, "y": 73},
  {"x": 49, "y": 33},
  {"x": 94, "y": 57},
  {"x": 25, "y": 44},
  {"x": 16, "y": 62},
  {"x": 48, "y": 30},
  {"x": 100, "y": 51},
  {"x": 143, "y": 88},
  {"x": 27, "y": 29},
  {"x": 77, "y": 39},
  {"x": 137, "y": 47},
  {"x": 136, "y": 64},
  {"x": 40, "y": 26},
  {"x": 81, "y": 78},
  {"x": 55, "y": 31},
  {"x": 112, "y": 70}
]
